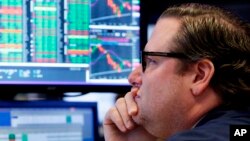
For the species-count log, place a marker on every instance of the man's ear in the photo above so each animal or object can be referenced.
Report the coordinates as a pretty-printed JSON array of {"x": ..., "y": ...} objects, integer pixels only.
[{"x": 203, "y": 72}]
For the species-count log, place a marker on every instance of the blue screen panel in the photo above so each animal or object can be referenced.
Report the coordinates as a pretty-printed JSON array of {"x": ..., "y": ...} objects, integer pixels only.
[{"x": 48, "y": 121}]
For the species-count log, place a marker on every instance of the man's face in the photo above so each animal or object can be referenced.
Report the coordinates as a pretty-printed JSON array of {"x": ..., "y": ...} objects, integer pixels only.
[{"x": 161, "y": 98}]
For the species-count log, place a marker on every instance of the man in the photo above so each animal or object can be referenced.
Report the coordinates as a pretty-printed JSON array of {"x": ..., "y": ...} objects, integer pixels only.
[{"x": 194, "y": 81}]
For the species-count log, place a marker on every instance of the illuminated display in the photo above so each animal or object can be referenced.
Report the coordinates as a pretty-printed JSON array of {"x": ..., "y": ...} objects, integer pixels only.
[
  {"x": 48, "y": 121},
  {"x": 68, "y": 41}
]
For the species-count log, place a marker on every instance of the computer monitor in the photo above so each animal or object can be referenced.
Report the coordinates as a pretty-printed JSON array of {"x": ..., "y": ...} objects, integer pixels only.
[
  {"x": 48, "y": 121},
  {"x": 69, "y": 45}
]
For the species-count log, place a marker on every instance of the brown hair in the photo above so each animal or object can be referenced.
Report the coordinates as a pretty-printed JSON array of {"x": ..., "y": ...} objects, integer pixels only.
[{"x": 213, "y": 33}]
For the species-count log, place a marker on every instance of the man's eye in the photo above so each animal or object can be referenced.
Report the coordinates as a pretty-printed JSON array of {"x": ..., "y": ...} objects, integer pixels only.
[{"x": 150, "y": 61}]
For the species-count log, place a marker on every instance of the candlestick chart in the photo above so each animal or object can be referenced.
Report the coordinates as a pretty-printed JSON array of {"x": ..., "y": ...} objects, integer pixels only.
[
  {"x": 112, "y": 11},
  {"x": 110, "y": 61}
]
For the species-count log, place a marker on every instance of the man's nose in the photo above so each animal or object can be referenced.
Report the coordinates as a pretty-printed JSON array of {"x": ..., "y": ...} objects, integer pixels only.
[{"x": 135, "y": 77}]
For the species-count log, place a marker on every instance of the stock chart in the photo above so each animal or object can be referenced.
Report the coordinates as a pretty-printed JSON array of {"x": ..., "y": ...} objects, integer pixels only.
[{"x": 100, "y": 38}]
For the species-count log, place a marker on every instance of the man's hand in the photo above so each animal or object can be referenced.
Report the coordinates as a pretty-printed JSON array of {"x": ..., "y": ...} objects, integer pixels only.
[{"x": 118, "y": 123}]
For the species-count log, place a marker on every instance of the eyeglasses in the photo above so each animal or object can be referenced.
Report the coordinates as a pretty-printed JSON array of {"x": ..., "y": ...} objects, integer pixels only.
[{"x": 162, "y": 54}]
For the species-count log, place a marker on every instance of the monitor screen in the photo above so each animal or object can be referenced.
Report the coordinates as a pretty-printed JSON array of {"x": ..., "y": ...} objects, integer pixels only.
[
  {"x": 65, "y": 43},
  {"x": 48, "y": 121}
]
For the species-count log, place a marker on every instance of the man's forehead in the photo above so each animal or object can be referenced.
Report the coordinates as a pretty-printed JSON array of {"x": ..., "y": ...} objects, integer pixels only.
[{"x": 163, "y": 35}]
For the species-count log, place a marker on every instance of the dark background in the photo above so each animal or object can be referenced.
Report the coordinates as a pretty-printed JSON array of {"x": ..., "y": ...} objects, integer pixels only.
[{"x": 154, "y": 8}]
